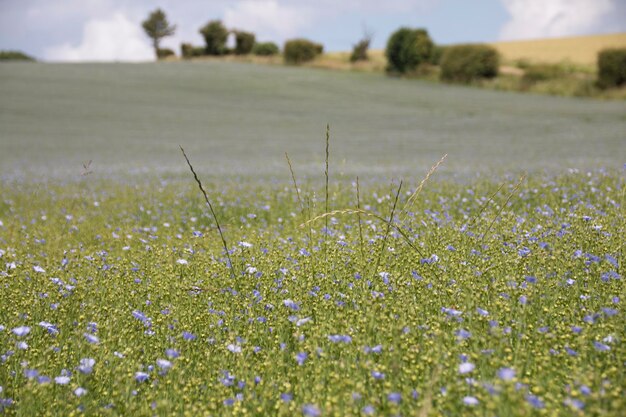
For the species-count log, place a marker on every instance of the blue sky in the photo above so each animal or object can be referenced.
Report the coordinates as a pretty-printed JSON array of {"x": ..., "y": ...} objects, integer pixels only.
[{"x": 109, "y": 30}]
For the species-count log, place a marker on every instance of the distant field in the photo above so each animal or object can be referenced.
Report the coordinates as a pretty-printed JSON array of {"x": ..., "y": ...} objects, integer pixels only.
[
  {"x": 582, "y": 50},
  {"x": 240, "y": 119}
]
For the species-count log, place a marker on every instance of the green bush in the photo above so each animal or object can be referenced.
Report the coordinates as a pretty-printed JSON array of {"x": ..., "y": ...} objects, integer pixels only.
[
  {"x": 543, "y": 72},
  {"x": 164, "y": 53},
  {"x": 359, "y": 51},
  {"x": 15, "y": 56},
  {"x": 612, "y": 67},
  {"x": 187, "y": 50},
  {"x": 465, "y": 63},
  {"x": 298, "y": 51},
  {"x": 215, "y": 35},
  {"x": 407, "y": 49},
  {"x": 265, "y": 49},
  {"x": 437, "y": 53},
  {"x": 244, "y": 42}
]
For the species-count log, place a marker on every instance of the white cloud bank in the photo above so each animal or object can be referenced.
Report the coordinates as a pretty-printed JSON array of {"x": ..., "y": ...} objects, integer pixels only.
[
  {"x": 555, "y": 18},
  {"x": 113, "y": 39}
]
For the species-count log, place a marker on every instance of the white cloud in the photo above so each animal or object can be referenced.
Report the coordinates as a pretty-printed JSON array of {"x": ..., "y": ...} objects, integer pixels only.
[
  {"x": 555, "y": 18},
  {"x": 113, "y": 39},
  {"x": 269, "y": 18}
]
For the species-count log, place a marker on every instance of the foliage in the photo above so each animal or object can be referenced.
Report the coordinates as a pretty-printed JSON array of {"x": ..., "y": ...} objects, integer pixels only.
[
  {"x": 157, "y": 27},
  {"x": 407, "y": 49},
  {"x": 435, "y": 57},
  {"x": 188, "y": 50},
  {"x": 265, "y": 49},
  {"x": 164, "y": 53},
  {"x": 465, "y": 63},
  {"x": 612, "y": 67},
  {"x": 215, "y": 36},
  {"x": 359, "y": 51},
  {"x": 543, "y": 72},
  {"x": 244, "y": 42},
  {"x": 298, "y": 51},
  {"x": 15, "y": 56}
]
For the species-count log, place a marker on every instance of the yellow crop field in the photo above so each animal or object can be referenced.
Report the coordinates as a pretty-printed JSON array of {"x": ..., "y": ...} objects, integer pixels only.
[{"x": 581, "y": 50}]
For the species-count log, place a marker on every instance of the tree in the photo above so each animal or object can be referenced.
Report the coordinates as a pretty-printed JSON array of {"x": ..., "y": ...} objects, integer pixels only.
[
  {"x": 157, "y": 27},
  {"x": 407, "y": 49},
  {"x": 215, "y": 36},
  {"x": 359, "y": 51}
]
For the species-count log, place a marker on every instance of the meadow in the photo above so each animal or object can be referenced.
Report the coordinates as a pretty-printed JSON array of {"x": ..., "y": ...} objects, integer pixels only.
[{"x": 488, "y": 283}]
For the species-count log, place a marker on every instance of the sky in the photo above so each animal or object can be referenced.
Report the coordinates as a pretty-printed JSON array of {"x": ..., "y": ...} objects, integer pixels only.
[{"x": 110, "y": 30}]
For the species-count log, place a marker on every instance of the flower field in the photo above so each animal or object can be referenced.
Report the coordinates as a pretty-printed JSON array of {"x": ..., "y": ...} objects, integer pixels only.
[{"x": 495, "y": 298}]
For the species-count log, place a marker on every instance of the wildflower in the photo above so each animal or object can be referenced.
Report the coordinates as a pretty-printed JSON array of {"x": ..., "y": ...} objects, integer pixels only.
[
  {"x": 337, "y": 338},
  {"x": 601, "y": 346},
  {"x": 482, "y": 312},
  {"x": 311, "y": 410},
  {"x": 51, "y": 328},
  {"x": 141, "y": 376},
  {"x": 535, "y": 401},
  {"x": 86, "y": 365},
  {"x": 31, "y": 373},
  {"x": 466, "y": 367},
  {"x": 305, "y": 320},
  {"x": 62, "y": 380},
  {"x": 245, "y": 244},
  {"x": 506, "y": 374},
  {"x": 394, "y": 397},
  {"x": 301, "y": 357},
  {"x": 91, "y": 338},
  {"x": 286, "y": 397},
  {"x": 471, "y": 401},
  {"x": 368, "y": 410},
  {"x": 189, "y": 336},
  {"x": 574, "y": 403},
  {"x": 21, "y": 331},
  {"x": 172, "y": 353},
  {"x": 523, "y": 251},
  {"x": 291, "y": 304},
  {"x": 234, "y": 348},
  {"x": 182, "y": 262},
  {"x": 378, "y": 375},
  {"x": 79, "y": 392},
  {"x": 523, "y": 300},
  {"x": 39, "y": 269},
  {"x": 463, "y": 334},
  {"x": 164, "y": 364}
]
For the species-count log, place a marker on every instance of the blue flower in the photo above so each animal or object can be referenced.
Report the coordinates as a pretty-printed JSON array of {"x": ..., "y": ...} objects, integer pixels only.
[
  {"x": 86, "y": 365},
  {"x": 482, "y": 312},
  {"x": 311, "y": 410},
  {"x": 79, "y": 392},
  {"x": 62, "y": 380},
  {"x": 301, "y": 357},
  {"x": 172, "y": 353},
  {"x": 535, "y": 401},
  {"x": 466, "y": 367},
  {"x": 141, "y": 376},
  {"x": 471, "y": 401},
  {"x": 368, "y": 410},
  {"x": 463, "y": 334},
  {"x": 601, "y": 346},
  {"x": 189, "y": 336},
  {"x": 378, "y": 375},
  {"x": 286, "y": 397},
  {"x": 164, "y": 364},
  {"x": 394, "y": 397},
  {"x": 21, "y": 331},
  {"x": 291, "y": 304},
  {"x": 506, "y": 374},
  {"x": 337, "y": 338},
  {"x": 91, "y": 338},
  {"x": 523, "y": 251}
]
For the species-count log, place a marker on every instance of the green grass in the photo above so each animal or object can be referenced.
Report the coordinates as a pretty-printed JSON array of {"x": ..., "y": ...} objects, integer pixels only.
[{"x": 130, "y": 118}]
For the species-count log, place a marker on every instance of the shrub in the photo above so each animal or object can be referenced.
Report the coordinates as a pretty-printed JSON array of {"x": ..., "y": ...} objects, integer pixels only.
[
  {"x": 14, "y": 56},
  {"x": 407, "y": 49},
  {"x": 359, "y": 51},
  {"x": 543, "y": 72},
  {"x": 187, "y": 50},
  {"x": 244, "y": 42},
  {"x": 164, "y": 53},
  {"x": 215, "y": 36},
  {"x": 437, "y": 53},
  {"x": 612, "y": 67},
  {"x": 464, "y": 63},
  {"x": 298, "y": 51},
  {"x": 265, "y": 49}
]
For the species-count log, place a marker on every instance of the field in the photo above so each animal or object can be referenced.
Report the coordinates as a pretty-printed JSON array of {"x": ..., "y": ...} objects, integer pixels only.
[
  {"x": 578, "y": 50},
  {"x": 490, "y": 284}
]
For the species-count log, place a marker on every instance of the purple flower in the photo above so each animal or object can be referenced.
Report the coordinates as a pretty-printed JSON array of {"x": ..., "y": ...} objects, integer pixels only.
[
  {"x": 368, "y": 410},
  {"x": 523, "y": 251},
  {"x": 21, "y": 331},
  {"x": 378, "y": 375},
  {"x": 451, "y": 312},
  {"x": 86, "y": 365},
  {"x": 172, "y": 353},
  {"x": 311, "y": 410},
  {"x": 601, "y": 346},
  {"x": 535, "y": 401},
  {"x": 31, "y": 373},
  {"x": 471, "y": 401},
  {"x": 51, "y": 328},
  {"x": 463, "y": 334},
  {"x": 523, "y": 300},
  {"x": 337, "y": 338},
  {"x": 79, "y": 392},
  {"x": 286, "y": 397},
  {"x": 189, "y": 336},
  {"x": 91, "y": 338},
  {"x": 234, "y": 348},
  {"x": 291, "y": 304},
  {"x": 574, "y": 403},
  {"x": 164, "y": 364},
  {"x": 301, "y": 357},
  {"x": 394, "y": 397},
  {"x": 482, "y": 312},
  {"x": 229, "y": 401},
  {"x": 141, "y": 376},
  {"x": 506, "y": 374},
  {"x": 466, "y": 367},
  {"x": 62, "y": 380}
]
